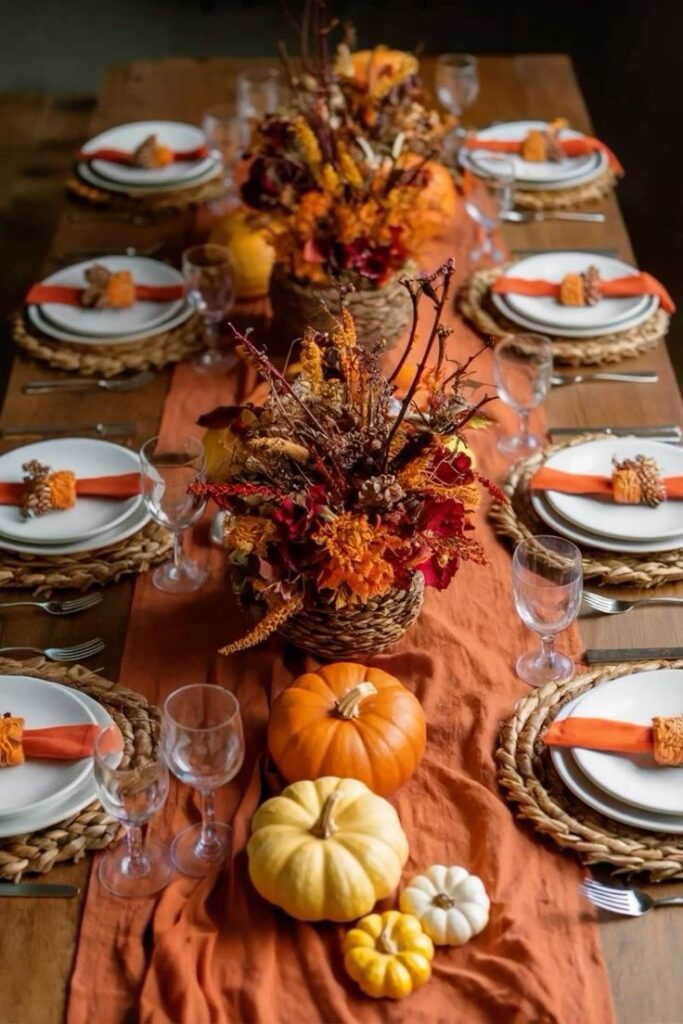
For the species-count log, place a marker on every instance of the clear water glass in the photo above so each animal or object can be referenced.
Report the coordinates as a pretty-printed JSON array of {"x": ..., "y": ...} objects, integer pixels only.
[
  {"x": 547, "y": 583},
  {"x": 457, "y": 81},
  {"x": 203, "y": 740},
  {"x": 139, "y": 866},
  {"x": 259, "y": 92},
  {"x": 228, "y": 137},
  {"x": 210, "y": 278},
  {"x": 522, "y": 371},
  {"x": 488, "y": 196},
  {"x": 167, "y": 470}
]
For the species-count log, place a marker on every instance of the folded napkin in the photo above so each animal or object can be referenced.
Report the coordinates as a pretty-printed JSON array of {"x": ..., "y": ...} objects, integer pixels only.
[
  {"x": 66, "y": 296},
  {"x": 122, "y": 485},
  {"x": 600, "y": 734},
  {"x": 61, "y": 742},
  {"x": 570, "y": 147},
  {"x": 617, "y": 288},
  {"x": 548, "y": 479},
  {"x": 121, "y": 156}
]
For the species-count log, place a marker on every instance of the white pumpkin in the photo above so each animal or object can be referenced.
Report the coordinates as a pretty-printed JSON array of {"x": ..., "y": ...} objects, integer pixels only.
[{"x": 450, "y": 904}]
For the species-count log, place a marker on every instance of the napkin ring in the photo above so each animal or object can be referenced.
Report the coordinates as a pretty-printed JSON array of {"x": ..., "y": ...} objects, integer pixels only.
[
  {"x": 668, "y": 740},
  {"x": 11, "y": 748},
  {"x": 638, "y": 482},
  {"x": 45, "y": 491},
  {"x": 581, "y": 289}
]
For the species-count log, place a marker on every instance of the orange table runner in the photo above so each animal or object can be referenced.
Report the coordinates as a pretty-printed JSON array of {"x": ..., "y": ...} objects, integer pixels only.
[{"x": 213, "y": 951}]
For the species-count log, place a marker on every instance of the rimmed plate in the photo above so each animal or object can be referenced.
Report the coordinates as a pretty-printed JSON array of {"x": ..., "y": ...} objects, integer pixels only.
[
  {"x": 89, "y": 517},
  {"x": 500, "y": 303},
  {"x": 605, "y": 517},
  {"x": 135, "y": 521},
  {"x": 89, "y": 175},
  {"x": 65, "y": 807},
  {"x": 537, "y": 172},
  {"x": 127, "y": 137},
  {"x": 46, "y": 327},
  {"x": 108, "y": 323},
  {"x": 595, "y": 169},
  {"x": 27, "y": 787}
]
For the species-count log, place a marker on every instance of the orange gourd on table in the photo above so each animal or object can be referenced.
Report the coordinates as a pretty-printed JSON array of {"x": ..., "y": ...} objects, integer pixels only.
[{"x": 350, "y": 721}]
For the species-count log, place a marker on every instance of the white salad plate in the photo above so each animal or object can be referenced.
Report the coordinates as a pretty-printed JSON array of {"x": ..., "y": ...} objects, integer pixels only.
[
  {"x": 47, "y": 327},
  {"x": 86, "y": 172},
  {"x": 128, "y": 137}
]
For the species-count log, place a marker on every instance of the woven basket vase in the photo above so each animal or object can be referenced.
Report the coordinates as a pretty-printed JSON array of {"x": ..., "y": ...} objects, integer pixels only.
[{"x": 380, "y": 314}]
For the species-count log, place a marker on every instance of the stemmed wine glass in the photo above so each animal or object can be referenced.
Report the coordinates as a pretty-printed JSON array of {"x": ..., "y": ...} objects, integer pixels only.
[
  {"x": 258, "y": 92},
  {"x": 522, "y": 370},
  {"x": 166, "y": 472},
  {"x": 210, "y": 278},
  {"x": 137, "y": 867},
  {"x": 488, "y": 196},
  {"x": 547, "y": 583},
  {"x": 204, "y": 744},
  {"x": 227, "y": 136},
  {"x": 457, "y": 87}
]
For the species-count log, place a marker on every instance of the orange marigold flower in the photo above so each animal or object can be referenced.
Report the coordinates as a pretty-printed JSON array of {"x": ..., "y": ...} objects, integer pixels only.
[
  {"x": 356, "y": 558},
  {"x": 313, "y": 206},
  {"x": 247, "y": 534}
]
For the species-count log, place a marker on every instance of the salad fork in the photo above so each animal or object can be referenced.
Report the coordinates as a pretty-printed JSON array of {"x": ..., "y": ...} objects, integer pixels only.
[
  {"x": 629, "y": 902},
  {"x": 77, "y": 604},
  {"x": 616, "y": 606},
  {"x": 74, "y": 653},
  {"x": 40, "y": 387}
]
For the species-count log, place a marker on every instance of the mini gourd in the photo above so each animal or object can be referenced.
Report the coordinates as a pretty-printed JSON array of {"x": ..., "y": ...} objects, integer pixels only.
[
  {"x": 451, "y": 905},
  {"x": 388, "y": 954}
]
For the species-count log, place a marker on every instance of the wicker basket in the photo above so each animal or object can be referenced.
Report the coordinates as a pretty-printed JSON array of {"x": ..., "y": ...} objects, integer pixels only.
[{"x": 380, "y": 314}]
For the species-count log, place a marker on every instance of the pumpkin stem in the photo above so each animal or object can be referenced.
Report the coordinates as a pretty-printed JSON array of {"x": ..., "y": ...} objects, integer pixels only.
[
  {"x": 348, "y": 706},
  {"x": 325, "y": 826},
  {"x": 385, "y": 944},
  {"x": 443, "y": 900}
]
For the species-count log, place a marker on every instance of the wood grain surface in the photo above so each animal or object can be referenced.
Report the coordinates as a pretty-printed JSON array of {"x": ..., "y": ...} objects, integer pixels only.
[{"x": 37, "y": 939}]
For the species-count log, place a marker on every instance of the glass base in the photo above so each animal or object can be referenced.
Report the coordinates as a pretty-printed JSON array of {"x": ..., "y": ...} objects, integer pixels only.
[
  {"x": 515, "y": 446},
  {"x": 214, "y": 361},
  {"x": 194, "y": 858},
  {"x": 187, "y": 577},
  {"x": 116, "y": 875},
  {"x": 536, "y": 669},
  {"x": 489, "y": 253}
]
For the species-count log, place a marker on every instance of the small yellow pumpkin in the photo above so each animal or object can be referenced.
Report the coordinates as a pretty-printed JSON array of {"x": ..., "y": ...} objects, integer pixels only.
[
  {"x": 252, "y": 254},
  {"x": 388, "y": 955},
  {"x": 326, "y": 850}
]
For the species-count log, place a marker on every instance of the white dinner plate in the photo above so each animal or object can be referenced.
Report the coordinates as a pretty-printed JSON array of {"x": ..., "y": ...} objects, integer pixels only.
[
  {"x": 89, "y": 517},
  {"x": 603, "y": 516},
  {"x": 596, "y": 168},
  {"x": 89, "y": 175},
  {"x": 552, "y": 266},
  {"x": 582, "y": 787},
  {"x": 135, "y": 521},
  {"x": 108, "y": 323},
  {"x": 635, "y": 779},
  {"x": 128, "y": 137},
  {"x": 532, "y": 171},
  {"x": 35, "y": 783},
  {"x": 64, "y": 807},
  {"x": 501, "y": 304},
  {"x": 38, "y": 320}
]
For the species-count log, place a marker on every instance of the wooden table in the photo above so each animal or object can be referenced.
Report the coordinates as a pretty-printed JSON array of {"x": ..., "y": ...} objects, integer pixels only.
[{"x": 37, "y": 939}]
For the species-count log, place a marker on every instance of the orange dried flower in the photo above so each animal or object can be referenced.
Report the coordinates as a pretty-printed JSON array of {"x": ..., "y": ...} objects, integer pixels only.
[
  {"x": 356, "y": 558},
  {"x": 312, "y": 207}
]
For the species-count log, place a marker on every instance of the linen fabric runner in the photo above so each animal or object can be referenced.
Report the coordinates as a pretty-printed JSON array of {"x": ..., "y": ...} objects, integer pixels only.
[{"x": 212, "y": 950}]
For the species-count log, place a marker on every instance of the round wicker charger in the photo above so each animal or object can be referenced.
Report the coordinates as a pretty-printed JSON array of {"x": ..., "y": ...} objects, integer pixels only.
[
  {"x": 108, "y": 360},
  {"x": 43, "y": 574},
  {"x": 518, "y": 521},
  {"x": 151, "y": 205},
  {"x": 526, "y": 773},
  {"x": 568, "y": 198},
  {"x": 92, "y": 828},
  {"x": 475, "y": 305}
]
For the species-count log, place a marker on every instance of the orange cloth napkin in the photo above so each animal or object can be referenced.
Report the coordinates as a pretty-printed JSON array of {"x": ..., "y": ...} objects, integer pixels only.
[
  {"x": 120, "y": 156},
  {"x": 600, "y": 734},
  {"x": 617, "y": 288},
  {"x": 65, "y": 296},
  {"x": 570, "y": 147},
  {"x": 122, "y": 485},
  {"x": 548, "y": 479},
  {"x": 61, "y": 742}
]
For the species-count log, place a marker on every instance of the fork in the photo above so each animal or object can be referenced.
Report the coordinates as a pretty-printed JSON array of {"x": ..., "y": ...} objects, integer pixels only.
[
  {"x": 629, "y": 902},
  {"x": 40, "y": 387},
  {"x": 74, "y": 653},
  {"x": 535, "y": 217},
  {"x": 615, "y": 606},
  {"x": 123, "y": 429},
  {"x": 78, "y": 604}
]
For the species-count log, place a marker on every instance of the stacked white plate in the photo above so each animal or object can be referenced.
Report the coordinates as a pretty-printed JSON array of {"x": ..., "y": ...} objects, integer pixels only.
[
  {"x": 92, "y": 523},
  {"x": 81, "y": 326},
  {"x": 545, "y": 315},
  {"x": 536, "y": 176},
  {"x": 42, "y": 792},
  {"x": 141, "y": 181},
  {"x": 598, "y": 522},
  {"x": 632, "y": 789}
]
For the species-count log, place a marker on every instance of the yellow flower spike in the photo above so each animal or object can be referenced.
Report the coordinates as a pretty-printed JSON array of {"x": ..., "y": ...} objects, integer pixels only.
[
  {"x": 388, "y": 955},
  {"x": 329, "y": 179},
  {"x": 308, "y": 144}
]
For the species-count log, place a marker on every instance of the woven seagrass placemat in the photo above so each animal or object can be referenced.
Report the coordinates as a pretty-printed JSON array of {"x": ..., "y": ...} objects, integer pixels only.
[
  {"x": 92, "y": 828},
  {"x": 567, "y": 198},
  {"x": 159, "y": 205},
  {"x": 108, "y": 360},
  {"x": 475, "y": 304},
  {"x": 517, "y": 520},
  {"x": 43, "y": 574},
  {"x": 527, "y": 775}
]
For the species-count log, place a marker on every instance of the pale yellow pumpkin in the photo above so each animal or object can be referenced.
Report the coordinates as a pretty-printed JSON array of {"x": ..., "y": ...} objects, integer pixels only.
[
  {"x": 326, "y": 850},
  {"x": 388, "y": 954},
  {"x": 252, "y": 254}
]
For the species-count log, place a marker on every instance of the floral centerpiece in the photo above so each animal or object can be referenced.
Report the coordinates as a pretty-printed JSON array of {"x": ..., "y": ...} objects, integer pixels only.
[{"x": 345, "y": 502}]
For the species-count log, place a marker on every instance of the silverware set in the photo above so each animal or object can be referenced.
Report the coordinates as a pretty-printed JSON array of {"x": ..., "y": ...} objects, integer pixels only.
[
  {"x": 77, "y": 652},
  {"x": 69, "y": 607},
  {"x": 627, "y": 902},
  {"x": 604, "y": 605}
]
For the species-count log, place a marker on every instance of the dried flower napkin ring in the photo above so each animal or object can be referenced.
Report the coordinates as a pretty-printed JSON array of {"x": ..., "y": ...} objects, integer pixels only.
[
  {"x": 638, "y": 482},
  {"x": 45, "y": 491}
]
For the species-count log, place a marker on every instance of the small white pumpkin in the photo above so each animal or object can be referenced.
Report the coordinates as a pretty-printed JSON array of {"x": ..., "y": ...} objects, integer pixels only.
[{"x": 450, "y": 904}]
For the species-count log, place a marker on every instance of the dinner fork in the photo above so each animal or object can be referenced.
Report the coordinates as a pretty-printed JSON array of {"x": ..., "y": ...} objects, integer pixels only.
[
  {"x": 77, "y": 604},
  {"x": 123, "y": 429},
  {"x": 40, "y": 387},
  {"x": 616, "y": 606},
  {"x": 75, "y": 653},
  {"x": 629, "y": 902}
]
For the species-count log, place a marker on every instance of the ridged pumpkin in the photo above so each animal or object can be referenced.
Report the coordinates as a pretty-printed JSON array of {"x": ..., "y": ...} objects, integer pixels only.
[
  {"x": 389, "y": 955},
  {"x": 348, "y": 720},
  {"x": 326, "y": 850},
  {"x": 252, "y": 254}
]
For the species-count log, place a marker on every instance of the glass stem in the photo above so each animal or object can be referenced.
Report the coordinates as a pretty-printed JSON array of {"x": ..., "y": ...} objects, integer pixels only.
[
  {"x": 523, "y": 425},
  {"x": 211, "y": 335},
  {"x": 547, "y": 650},
  {"x": 177, "y": 550},
  {"x": 134, "y": 840},
  {"x": 208, "y": 838}
]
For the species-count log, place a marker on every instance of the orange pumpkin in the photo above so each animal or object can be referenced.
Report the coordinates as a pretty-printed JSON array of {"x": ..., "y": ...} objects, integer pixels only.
[
  {"x": 437, "y": 200},
  {"x": 350, "y": 721}
]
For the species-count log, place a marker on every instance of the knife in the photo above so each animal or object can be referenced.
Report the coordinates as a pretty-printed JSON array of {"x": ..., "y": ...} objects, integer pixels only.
[
  {"x": 598, "y": 657},
  {"x": 38, "y": 889},
  {"x": 558, "y": 380},
  {"x": 534, "y": 217},
  {"x": 123, "y": 429},
  {"x": 670, "y": 432},
  {"x": 546, "y": 252}
]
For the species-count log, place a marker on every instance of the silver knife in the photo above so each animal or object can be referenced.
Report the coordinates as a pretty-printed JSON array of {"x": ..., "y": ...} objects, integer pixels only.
[
  {"x": 533, "y": 217},
  {"x": 601, "y": 656},
  {"x": 558, "y": 380},
  {"x": 670, "y": 432},
  {"x": 123, "y": 429},
  {"x": 38, "y": 889}
]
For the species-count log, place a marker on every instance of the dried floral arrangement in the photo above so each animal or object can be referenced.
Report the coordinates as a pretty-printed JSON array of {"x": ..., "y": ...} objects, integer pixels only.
[{"x": 338, "y": 491}]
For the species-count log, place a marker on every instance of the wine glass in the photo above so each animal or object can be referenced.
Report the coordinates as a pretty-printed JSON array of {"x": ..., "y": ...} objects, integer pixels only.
[
  {"x": 259, "y": 92},
  {"x": 210, "y": 278},
  {"x": 488, "y": 195},
  {"x": 139, "y": 866},
  {"x": 204, "y": 744},
  {"x": 166, "y": 472},
  {"x": 457, "y": 81},
  {"x": 228, "y": 137},
  {"x": 522, "y": 370},
  {"x": 547, "y": 583}
]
